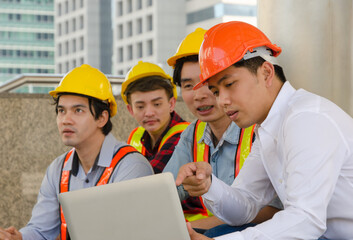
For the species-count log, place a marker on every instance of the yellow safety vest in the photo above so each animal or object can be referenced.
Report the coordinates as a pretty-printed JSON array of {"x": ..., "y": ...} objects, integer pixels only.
[
  {"x": 201, "y": 153},
  {"x": 136, "y": 135}
]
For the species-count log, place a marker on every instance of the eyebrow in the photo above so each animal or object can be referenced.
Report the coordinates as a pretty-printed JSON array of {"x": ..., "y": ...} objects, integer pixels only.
[
  {"x": 153, "y": 100},
  {"x": 185, "y": 80},
  {"x": 223, "y": 79},
  {"x": 74, "y": 106}
]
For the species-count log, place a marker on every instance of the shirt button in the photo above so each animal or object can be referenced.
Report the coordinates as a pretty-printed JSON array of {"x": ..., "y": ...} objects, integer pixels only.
[{"x": 280, "y": 181}]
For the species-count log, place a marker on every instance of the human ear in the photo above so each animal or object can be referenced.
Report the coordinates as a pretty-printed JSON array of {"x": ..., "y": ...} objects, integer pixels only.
[
  {"x": 129, "y": 108},
  {"x": 172, "y": 102},
  {"x": 103, "y": 118},
  {"x": 268, "y": 73}
]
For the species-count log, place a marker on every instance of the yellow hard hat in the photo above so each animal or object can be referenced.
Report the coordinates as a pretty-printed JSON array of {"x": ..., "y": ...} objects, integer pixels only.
[
  {"x": 189, "y": 46},
  {"x": 141, "y": 70},
  {"x": 88, "y": 81}
]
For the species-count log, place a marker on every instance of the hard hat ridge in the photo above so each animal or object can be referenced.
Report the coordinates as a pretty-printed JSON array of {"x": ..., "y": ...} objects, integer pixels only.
[
  {"x": 227, "y": 43},
  {"x": 88, "y": 81}
]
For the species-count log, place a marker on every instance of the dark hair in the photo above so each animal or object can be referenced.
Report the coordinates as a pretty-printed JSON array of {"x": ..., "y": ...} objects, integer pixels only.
[
  {"x": 148, "y": 84},
  {"x": 253, "y": 64},
  {"x": 179, "y": 66},
  {"x": 98, "y": 107}
]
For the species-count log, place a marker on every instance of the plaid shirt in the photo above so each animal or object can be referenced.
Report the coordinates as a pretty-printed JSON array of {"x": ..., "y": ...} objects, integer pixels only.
[{"x": 159, "y": 159}]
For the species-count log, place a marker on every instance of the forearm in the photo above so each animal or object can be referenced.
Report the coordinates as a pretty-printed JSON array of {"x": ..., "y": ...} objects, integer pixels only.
[{"x": 207, "y": 223}]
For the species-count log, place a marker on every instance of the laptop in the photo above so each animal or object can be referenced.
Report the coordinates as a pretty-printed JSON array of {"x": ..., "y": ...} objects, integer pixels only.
[{"x": 146, "y": 208}]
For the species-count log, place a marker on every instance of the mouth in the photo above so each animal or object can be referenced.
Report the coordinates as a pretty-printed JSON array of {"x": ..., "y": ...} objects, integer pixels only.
[
  {"x": 205, "y": 108},
  {"x": 150, "y": 121},
  {"x": 68, "y": 131},
  {"x": 232, "y": 114}
]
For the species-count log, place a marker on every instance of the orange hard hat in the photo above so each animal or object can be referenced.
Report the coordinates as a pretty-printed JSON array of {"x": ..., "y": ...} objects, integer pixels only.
[{"x": 226, "y": 43}]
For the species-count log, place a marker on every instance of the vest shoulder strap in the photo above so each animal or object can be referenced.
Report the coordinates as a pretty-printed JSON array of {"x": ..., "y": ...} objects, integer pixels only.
[
  {"x": 201, "y": 150},
  {"x": 120, "y": 154},
  {"x": 177, "y": 128},
  {"x": 135, "y": 139}
]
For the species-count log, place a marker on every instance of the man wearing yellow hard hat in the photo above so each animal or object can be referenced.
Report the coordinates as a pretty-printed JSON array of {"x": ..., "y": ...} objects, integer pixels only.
[
  {"x": 150, "y": 95},
  {"x": 303, "y": 150},
  {"x": 213, "y": 138},
  {"x": 84, "y": 105}
]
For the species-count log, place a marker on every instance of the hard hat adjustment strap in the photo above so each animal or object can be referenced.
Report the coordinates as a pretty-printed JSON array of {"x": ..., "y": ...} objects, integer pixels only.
[{"x": 264, "y": 52}]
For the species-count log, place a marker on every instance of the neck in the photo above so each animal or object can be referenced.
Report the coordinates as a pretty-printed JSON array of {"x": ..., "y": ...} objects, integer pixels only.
[
  {"x": 88, "y": 154},
  {"x": 218, "y": 128}
]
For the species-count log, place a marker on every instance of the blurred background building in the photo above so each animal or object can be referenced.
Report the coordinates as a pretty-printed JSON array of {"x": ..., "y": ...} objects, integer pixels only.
[
  {"x": 111, "y": 35},
  {"x": 26, "y": 37}
]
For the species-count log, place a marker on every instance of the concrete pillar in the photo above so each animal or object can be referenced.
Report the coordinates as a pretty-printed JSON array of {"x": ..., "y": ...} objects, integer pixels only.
[{"x": 316, "y": 37}]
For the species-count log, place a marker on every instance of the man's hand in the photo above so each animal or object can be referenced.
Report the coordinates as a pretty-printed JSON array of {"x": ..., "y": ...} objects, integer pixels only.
[
  {"x": 194, "y": 235},
  {"x": 10, "y": 233},
  {"x": 195, "y": 177}
]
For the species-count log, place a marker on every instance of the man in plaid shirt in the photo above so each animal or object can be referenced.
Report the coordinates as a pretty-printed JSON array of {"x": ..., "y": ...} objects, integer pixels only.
[{"x": 150, "y": 95}]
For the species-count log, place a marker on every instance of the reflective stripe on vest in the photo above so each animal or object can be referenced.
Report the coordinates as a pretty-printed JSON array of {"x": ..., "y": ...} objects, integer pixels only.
[
  {"x": 201, "y": 153},
  {"x": 136, "y": 136},
  {"x": 104, "y": 179}
]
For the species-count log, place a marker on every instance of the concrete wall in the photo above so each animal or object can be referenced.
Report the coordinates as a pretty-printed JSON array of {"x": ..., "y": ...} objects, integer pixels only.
[
  {"x": 316, "y": 37},
  {"x": 29, "y": 142}
]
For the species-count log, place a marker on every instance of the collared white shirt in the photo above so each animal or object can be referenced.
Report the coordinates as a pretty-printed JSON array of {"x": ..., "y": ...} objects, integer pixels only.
[{"x": 303, "y": 152}]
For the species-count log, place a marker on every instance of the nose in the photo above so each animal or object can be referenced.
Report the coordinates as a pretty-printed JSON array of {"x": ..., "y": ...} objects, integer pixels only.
[
  {"x": 149, "y": 111},
  {"x": 201, "y": 93},
  {"x": 66, "y": 118},
  {"x": 223, "y": 99}
]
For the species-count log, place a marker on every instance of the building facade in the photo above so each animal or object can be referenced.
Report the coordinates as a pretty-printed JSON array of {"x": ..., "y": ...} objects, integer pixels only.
[
  {"x": 83, "y": 34},
  {"x": 26, "y": 37},
  {"x": 147, "y": 30}
]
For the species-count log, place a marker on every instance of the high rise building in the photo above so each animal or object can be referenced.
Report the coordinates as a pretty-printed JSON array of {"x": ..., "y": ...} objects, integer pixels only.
[
  {"x": 205, "y": 14},
  {"x": 147, "y": 30},
  {"x": 83, "y": 34},
  {"x": 26, "y": 37}
]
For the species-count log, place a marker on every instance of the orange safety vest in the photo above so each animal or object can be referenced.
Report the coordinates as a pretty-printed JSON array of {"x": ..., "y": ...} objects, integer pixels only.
[
  {"x": 136, "y": 136},
  {"x": 201, "y": 153},
  {"x": 104, "y": 179}
]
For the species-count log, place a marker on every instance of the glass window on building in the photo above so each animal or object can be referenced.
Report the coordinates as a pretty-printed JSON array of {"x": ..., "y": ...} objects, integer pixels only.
[
  {"x": 66, "y": 6},
  {"x": 121, "y": 72},
  {"x": 66, "y": 27},
  {"x": 81, "y": 3},
  {"x": 138, "y": 4},
  {"x": 74, "y": 24},
  {"x": 119, "y": 8},
  {"x": 120, "y": 54},
  {"x": 150, "y": 47},
  {"x": 129, "y": 28},
  {"x": 139, "y": 26},
  {"x": 59, "y": 29},
  {"x": 139, "y": 50},
  {"x": 149, "y": 23},
  {"x": 73, "y": 5},
  {"x": 67, "y": 67},
  {"x": 82, "y": 44},
  {"x": 74, "y": 63},
  {"x": 120, "y": 31},
  {"x": 60, "y": 68},
  {"x": 67, "y": 47},
  {"x": 81, "y": 22},
  {"x": 149, "y": 3},
  {"x": 129, "y": 52},
  {"x": 59, "y": 9},
  {"x": 82, "y": 61},
  {"x": 74, "y": 45},
  {"x": 129, "y": 6}
]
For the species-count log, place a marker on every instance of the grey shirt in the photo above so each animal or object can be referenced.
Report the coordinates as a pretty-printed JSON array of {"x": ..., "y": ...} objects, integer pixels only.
[{"x": 45, "y": 220}]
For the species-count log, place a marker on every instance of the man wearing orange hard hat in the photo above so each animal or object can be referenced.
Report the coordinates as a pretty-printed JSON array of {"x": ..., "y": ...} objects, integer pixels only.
[
  {"x": 84, "y": 104},
  {"x": 212, "y": 137},
  {"x": 303, "y": 150}
]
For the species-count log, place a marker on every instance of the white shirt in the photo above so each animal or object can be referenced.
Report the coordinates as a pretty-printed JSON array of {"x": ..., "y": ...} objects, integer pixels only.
[{"x": 303, "y": 152}]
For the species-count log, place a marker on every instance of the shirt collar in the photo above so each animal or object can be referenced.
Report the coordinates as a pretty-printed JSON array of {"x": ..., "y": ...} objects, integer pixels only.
[
  {"x": 231, "y": 135},
  {"x": 103, "y": 159},
  {"x": 279, "y": 107}
]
